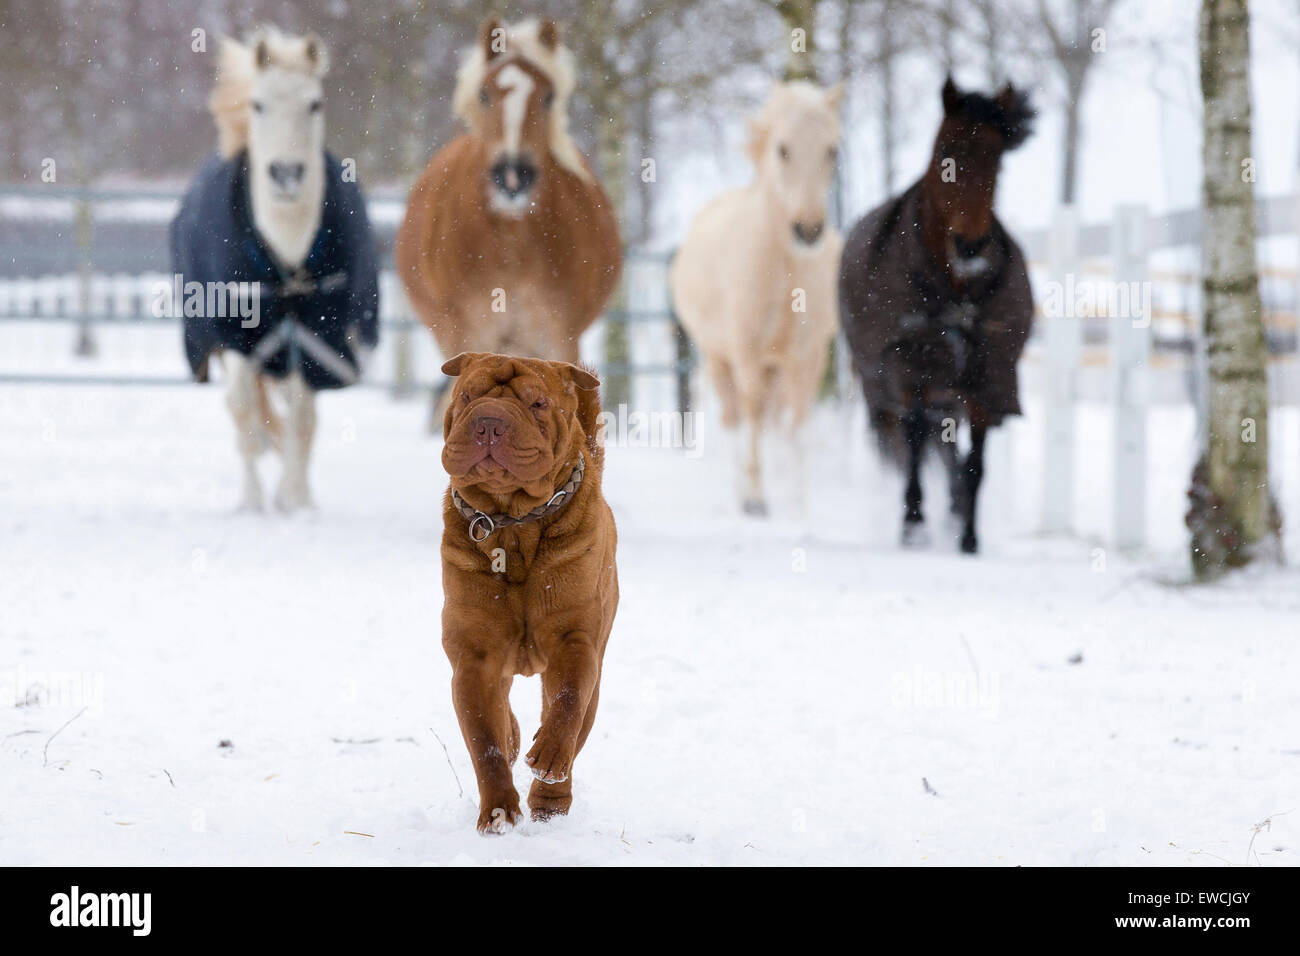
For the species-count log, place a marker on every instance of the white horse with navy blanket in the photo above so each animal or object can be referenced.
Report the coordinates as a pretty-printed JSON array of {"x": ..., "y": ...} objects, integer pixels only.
[{"x": 275, "y": 219}]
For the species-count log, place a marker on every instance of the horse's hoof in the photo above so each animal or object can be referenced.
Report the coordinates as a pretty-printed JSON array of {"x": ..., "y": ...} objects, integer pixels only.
[
  {"x": 969, "y": 543},
  {"x": 915, "y": 535},
  {"x": 287, "y": 502},
  {"x": 754, "y": 507}
]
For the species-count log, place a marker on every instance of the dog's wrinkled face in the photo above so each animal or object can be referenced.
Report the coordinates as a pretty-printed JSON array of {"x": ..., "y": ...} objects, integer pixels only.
[{"x": 514, "y": 423}]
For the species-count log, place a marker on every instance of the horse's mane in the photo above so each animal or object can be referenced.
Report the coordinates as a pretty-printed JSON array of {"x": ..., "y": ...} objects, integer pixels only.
[
  {"x": 786, "y": 97},
  {"x": 524, "y": 42},
  {"x": 1010, "y": 112},
  {"x": 236, "y": 68}
]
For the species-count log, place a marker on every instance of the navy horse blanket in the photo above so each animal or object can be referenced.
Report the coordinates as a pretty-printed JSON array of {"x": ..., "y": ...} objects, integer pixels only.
[
  {"x": 310, "y": 319},
  {"x": 911, "y": 334}
]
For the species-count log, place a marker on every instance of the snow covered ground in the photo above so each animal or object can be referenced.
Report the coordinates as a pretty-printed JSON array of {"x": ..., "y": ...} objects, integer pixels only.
[{"x": 791, "y": 691}]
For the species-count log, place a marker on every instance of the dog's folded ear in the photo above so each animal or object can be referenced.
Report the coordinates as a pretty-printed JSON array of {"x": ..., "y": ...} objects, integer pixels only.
[
  {"x": 454, "y": 366},
  {"x": 583, "y": 378}
]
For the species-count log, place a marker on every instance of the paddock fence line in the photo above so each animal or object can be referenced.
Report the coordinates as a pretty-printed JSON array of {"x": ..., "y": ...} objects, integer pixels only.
[
  {"x": 93, "y": 259},
  {"x": 1118, "y": 319},
  {"x": 79, "y": 268}
]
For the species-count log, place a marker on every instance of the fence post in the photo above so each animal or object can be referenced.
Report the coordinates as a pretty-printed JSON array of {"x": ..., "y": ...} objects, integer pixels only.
[
  {"x": 1063, "y": 341},
  {"x": 85, "y": 229},
  {"x": 402, "y": 318},
  {"x": 682, "y": 359},
  {"x": 1130, "y": 350}
]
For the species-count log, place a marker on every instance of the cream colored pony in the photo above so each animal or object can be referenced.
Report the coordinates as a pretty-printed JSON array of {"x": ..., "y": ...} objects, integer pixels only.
[
  {"x": 754, "y": 282},
  {"x": 268, "y": 99}
]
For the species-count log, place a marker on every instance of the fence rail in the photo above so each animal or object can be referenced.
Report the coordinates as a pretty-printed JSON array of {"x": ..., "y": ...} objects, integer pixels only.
[
  {"x": 1164, "y": 316},
  {"x": 96, "y": 257},
  {"x": 90, "y": 258}
]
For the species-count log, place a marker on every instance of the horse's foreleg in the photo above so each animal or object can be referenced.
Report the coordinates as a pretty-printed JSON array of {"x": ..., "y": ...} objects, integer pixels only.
[
  {"x": 724, "y": 386},
  {"x": 751, "y": 496},
  {"x": 244, "y": 401},
  {"x": 972, "y": 474},
  {"x": 300, "y": 429},
  {"x": 952, "y": 464},
  {"x": 915, "y": 430}
]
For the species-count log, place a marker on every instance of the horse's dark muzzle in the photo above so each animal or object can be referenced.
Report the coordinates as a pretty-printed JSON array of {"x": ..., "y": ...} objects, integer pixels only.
[
  {"x": 513, "y": 177},
  {"x": 808, "y": 234},
  {"x": 287, "y": 176},
  {"x": 970, "y": 248}
]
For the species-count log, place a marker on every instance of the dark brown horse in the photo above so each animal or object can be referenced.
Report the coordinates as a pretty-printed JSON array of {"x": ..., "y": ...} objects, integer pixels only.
[{"x": 936, "y": 305}]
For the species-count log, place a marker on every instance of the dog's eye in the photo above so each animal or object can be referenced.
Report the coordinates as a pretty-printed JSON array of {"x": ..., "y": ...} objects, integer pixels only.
[
  {"x": 464, "y": 398},
  {"x": 539, "y": 404}
]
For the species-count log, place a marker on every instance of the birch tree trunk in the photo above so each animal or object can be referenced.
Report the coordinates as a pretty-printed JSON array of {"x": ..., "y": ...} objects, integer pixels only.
[
  {"x": 1070, "y": 142},
  {"x": 1232, "y": 517},
  {"x": 990, "y": 40},
  {"x": 799, "y": 15},
  {"x": 611, "y": 164},
  {"x": 886, "y": 57}
]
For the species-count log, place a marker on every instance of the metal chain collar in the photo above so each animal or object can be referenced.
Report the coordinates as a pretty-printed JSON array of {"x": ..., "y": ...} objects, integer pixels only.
[{"x": 481, "y": 525}]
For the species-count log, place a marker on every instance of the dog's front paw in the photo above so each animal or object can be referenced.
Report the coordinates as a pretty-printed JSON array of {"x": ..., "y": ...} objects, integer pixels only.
[
  {"x": 551, "y": 757},
  {"x": 500, "y": 815}
]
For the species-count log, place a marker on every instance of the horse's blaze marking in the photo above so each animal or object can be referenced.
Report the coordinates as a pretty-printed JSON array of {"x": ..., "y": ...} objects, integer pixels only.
[{"x": 518, "y": 87}]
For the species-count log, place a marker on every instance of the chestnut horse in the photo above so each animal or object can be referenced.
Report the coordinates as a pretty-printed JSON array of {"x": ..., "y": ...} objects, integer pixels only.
[
  {"x": 936, "y": 305},
  {"x": 509, "y": 243}
]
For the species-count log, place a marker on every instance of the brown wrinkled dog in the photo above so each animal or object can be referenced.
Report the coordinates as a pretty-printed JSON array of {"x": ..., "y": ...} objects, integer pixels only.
[{"x": 528, "y": 571}]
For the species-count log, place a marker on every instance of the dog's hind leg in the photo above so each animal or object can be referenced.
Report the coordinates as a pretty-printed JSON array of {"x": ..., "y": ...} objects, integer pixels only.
[
  {"x": 299, "y": 432},
  {"x": 247, "y": 408}
]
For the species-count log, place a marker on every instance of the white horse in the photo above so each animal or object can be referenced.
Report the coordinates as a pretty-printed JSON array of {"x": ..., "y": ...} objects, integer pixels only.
[
  {"x": 754, "y": 282},
  {"x": 268, "y": 100}
]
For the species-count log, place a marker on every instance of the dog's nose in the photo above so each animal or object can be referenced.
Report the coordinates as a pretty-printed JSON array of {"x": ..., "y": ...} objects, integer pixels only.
[
  {"x": 287, "y": 175},
  {"x": 489, "y": 429},
  {"x": 808, "y": 234}
]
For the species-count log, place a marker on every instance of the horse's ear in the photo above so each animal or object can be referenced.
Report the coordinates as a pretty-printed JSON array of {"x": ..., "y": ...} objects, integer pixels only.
[
  {"x": 835, "y": 96},
  {"x": 549, "y": 34},
  {"x": 317, "y": 56},
  {"x": 492, "y": 37},
  {"x": 951, "y": 95},
  {"x": 1007, "y": 97},
  {"x": 454, "y": 366}
]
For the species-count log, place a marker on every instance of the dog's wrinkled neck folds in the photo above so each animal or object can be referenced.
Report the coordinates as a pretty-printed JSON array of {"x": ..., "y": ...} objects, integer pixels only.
[{"x": 482, "y": 524}]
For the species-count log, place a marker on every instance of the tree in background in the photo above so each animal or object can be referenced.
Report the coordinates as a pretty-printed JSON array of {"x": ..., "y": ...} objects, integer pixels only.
[
  {"x": 1075, "y": 34},
  {"x": 1232, "y": 518}
]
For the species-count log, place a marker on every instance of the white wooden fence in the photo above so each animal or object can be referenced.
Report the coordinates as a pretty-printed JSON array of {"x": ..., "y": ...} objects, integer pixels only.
[{"x": 1116, "y": 270}]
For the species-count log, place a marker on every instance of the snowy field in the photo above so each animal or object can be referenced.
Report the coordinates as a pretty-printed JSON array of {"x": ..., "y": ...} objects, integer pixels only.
[{"x": 791, "y": 691}]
